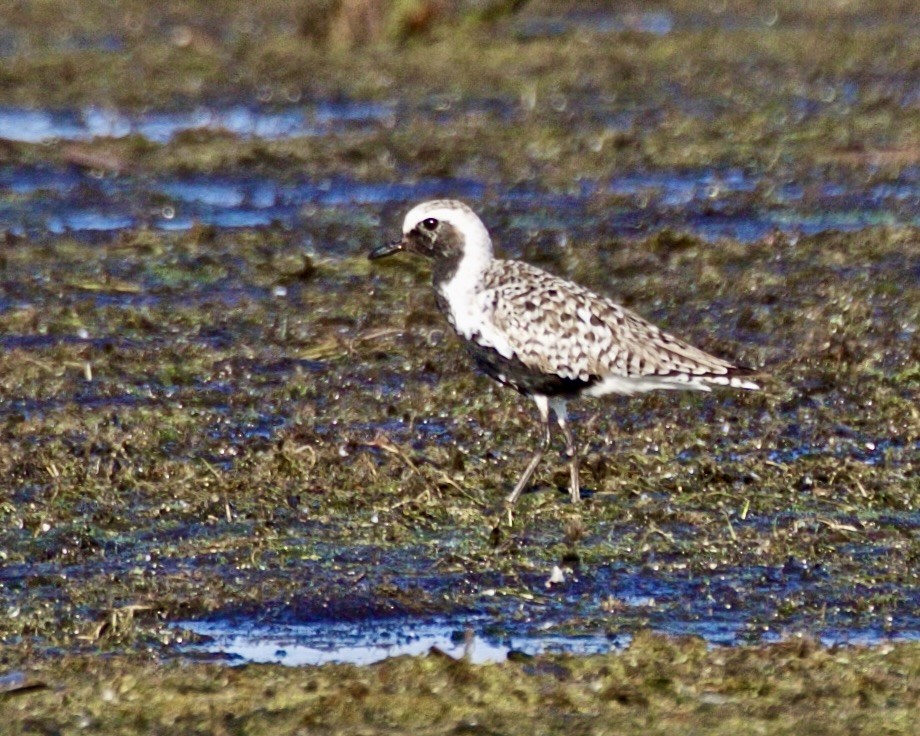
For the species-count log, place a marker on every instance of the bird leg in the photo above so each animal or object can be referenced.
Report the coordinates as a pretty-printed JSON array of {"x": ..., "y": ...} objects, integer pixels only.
[
  {"x": 571, "y": 451},
  {"x": 543, "y": 408}
]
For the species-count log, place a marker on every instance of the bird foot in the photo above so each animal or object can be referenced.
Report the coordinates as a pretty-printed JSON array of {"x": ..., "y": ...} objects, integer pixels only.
[{"x": 501, "y": 517}]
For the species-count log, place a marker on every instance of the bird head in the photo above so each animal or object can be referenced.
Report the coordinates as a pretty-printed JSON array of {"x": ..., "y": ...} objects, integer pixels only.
[{"x": 440, "y": 229}]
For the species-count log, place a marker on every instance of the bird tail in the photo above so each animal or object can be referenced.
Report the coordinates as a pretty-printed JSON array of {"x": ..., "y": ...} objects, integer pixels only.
[
  {"x": 734, "y": 377},
  {"x": 729, "y": 376}
]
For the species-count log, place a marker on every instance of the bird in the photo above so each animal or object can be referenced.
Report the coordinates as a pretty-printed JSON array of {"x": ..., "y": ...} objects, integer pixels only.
[{"x": 545, "y": 336}]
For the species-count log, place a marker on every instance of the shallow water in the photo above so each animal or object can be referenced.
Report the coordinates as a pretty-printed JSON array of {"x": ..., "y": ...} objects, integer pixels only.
[
  {"x": 370, "y": 641},
  {"x": 710, "y": 202},
  {"x": 707, "y": 203},
  {"x": 44, "y": 126},
  {"x": 587, "y": 613}
]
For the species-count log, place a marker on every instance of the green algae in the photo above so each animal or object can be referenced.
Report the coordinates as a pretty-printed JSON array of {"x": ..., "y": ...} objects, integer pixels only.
[
  {"x": 655, "y": 686},
  {"x": 196, "y": 423},
  {"x": 134, "y": 429}
]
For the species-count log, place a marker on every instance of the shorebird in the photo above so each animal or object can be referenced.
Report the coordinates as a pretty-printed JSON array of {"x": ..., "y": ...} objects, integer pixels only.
[{"x": 544, "y": 336}]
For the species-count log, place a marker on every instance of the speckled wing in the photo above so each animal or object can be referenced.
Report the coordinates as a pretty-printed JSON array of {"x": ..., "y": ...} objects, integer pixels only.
[{"x": 555, "y": 326}]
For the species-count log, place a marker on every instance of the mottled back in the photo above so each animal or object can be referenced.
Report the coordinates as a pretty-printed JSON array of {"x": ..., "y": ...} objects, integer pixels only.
[{"x": 556, "y": 326}]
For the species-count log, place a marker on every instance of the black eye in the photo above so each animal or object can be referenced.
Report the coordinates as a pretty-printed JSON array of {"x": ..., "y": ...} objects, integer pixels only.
[{"x": 430, "y": 223}]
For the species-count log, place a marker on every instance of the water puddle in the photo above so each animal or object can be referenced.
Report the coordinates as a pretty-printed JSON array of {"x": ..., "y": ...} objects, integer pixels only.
[
  {"x": 24, "y": 125},
  {"x": 36, "y": 201},
  {"x": 460, "y": 638},
  {"x": 579, "y": 619},
  {"x": 584, "y": 612},
  {"x": 374, "y": 641},
  {"x": 710, "y": 204}
]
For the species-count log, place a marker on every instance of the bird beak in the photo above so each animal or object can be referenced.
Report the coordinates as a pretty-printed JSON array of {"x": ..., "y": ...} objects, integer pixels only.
[{"x": 387, "y": 250}]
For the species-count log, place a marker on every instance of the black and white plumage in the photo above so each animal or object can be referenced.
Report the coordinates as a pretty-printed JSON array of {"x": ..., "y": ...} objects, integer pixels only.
[{"x": 547, "y": 337}]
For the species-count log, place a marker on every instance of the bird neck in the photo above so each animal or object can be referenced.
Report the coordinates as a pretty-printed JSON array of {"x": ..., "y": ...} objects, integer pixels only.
[{"x": 464, "y": 271}]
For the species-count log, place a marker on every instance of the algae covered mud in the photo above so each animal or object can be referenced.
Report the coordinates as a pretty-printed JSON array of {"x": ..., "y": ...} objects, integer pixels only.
[{"x": 226, "y": 436}]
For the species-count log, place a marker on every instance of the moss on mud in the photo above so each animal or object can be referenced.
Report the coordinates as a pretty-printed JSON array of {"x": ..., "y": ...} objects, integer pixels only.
[
  {"x": 259, "y": 420},
  {"x": 179, "y": 434},
  {"x": 656, "y": 686}
]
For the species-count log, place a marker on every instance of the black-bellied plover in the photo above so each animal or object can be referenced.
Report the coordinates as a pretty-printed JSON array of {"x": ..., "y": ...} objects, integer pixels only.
[{"x": 546, "y": 337}]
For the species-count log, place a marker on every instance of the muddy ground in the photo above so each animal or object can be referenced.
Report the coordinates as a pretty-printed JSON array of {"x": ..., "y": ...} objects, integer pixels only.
[{"x": 207, "y": 421}]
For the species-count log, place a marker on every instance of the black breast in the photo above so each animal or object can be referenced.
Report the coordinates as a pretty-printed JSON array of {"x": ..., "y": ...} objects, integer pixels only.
[{"x": 512, "y": 372}]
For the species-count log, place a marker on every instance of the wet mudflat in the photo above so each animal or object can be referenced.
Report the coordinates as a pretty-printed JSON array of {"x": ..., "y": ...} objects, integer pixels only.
[{"x": 228, "y": 436}]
